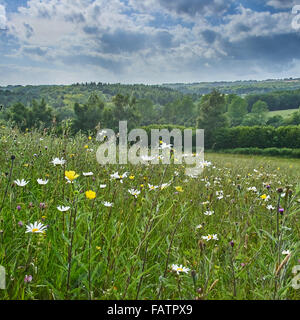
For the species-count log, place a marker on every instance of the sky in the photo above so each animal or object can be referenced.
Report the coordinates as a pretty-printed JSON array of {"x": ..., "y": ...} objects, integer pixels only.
[{"x": 147, "y": 41}]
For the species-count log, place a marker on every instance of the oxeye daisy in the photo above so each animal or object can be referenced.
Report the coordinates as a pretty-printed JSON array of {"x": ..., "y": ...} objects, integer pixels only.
[
  {"x": 42, "y": 182},
  {"x": 151, "y": 187},
  {"x": 107, "y": 204},
  {"x": 57, "y": 161},
  {"x": 62, "y": 208},
  {"x": 134, "y": 192},
  {"x": 36, "y": 227},
  {"x": 87, "y": 174},
  {"x": 179, "y": 269},
  {"x": 21, "y": 183},
  {"x": 210, "y": 237}
]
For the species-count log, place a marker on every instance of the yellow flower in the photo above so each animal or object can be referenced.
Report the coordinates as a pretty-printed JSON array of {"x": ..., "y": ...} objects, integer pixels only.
[
  {"x": 90, "y": 194},
  {"x": 90, "y": 138},
  {"x": 264, "y": 196},
  {"x": 131, "y": 177},
  {"x": 86, "y": 146},
  {"x": 98, "y": 248},
  {"x": 26, "y": 165},
  {"x": 142, "y": 186},
  {"x": 71, "y": 175},
  {"x": 179, "y": 189}
]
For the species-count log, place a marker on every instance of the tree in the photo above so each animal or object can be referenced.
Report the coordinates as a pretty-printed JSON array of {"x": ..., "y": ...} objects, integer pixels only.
[
  {"x": 237, "y": 110},
  {"x": 87, "y": 116},
  {"x": 258, "y": 114},
  {"x": 212, "y": 115},
  {"x": 19, "y": 114}
]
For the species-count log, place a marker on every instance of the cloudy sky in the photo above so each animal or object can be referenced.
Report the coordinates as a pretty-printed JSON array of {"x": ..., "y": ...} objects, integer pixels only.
[{"x": 147, "y": 41}]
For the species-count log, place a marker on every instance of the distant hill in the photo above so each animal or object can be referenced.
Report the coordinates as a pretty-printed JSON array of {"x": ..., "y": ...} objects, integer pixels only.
[{"x": 237, "y": 87}]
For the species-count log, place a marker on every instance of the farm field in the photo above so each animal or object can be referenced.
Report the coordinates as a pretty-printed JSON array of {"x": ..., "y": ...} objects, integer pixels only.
[{"x": 146, "y": 231}]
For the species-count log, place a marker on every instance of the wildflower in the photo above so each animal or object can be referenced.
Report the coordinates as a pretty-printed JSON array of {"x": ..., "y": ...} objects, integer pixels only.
[
  {"x": 116, "y": 176},
  {"x": 98, "y": 248},
  {"x": 270, "y": 207},
  {"x": 90, "y": 194},
  {"x": 63, "y": 209},
  {"x": 231, "y": 243},
  {"x": 27, "y": 278},
  {"x": 20, "y": 223},
  {"x": 281, "y": 210},
  {"x": 86, "y": 146},
  {"x": 164, "y": 185},
  {"x": 179, "y": 189},
  {"x": 35, "y": 228},
  {"x": 90, "y": 138},
  {"x": 18, "y": 208},
  {"x": 42, "y": 182},
  {"x": 57, "y": 161},
  {"x": 21, "y": 183},
  {"x": 210, "y": 237},
  {"x": 87, "y": 174},
  {"x": 134, "y": 192},
  {"x": 107, "y": 204},
  {"x": 102, "y": 186},
  {"x": 71, "y": 175},
  {"x": 179, "y": 269},
  {"x": 286, "y": 252},
  {"x": 199, "y": 226},
  {"x": 151, "y": 187},
  {"x": 209, "y": 213},
  {"x": 42, "y": 205},
  {"x": 131, "y": 177},
  {"x": 163, "y": 145}
]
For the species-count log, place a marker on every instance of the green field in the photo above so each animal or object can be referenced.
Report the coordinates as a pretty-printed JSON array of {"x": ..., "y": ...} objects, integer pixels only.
[
  {"x": 223, "y": 227},
  {"x": 284, "y": 113}
]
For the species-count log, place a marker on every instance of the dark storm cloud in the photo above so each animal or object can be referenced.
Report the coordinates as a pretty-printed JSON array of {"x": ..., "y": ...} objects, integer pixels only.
[
  {"x": 276, "y": 49},
  {"x": 121, "y": 41},
  {"x": 87, "y": 60},
  {"x": 193, "y": 7},
  {"x": 209, "y": 35}
]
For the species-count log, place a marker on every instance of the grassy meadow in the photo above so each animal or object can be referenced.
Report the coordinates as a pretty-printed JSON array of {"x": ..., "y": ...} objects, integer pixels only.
[{"x": 231, "y": 233}]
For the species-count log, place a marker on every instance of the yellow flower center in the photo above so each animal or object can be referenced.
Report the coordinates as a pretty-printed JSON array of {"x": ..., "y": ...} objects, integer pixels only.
[{"x": 35, "y": 230}]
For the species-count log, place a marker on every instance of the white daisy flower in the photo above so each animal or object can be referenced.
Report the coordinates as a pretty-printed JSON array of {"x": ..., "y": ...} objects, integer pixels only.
[
  {"x": 42, "y": 182},
  {"x": 164, "y": 185},
  {"x": 63, "y": 209},
  {"x": 134, "y": 192},
  {"x": 87, "y": 174},
  {"x": 179, "y": 269},
  {"x": 270, "y": 207},
  {"x": 286, "y": 252},
  {"x": 102, "y": 186},
  {"x": 163, "y": 146},
  {"x": 116, "y": 176},
  {"x": 210, "y": 237},
  {"x": 21, "y": 183},
  {"x": 209, "y": 213},
  {"x": 57, "y": 161},
  {"x": 36, "y": 227},
  {"x": 107, "y": 204},
  {"x": 147, "y": 158},
  {"x": 151, "y": 187}
]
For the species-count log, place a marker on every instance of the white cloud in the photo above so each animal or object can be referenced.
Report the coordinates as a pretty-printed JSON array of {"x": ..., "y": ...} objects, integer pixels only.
[{"x": 3, "y": 20}]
